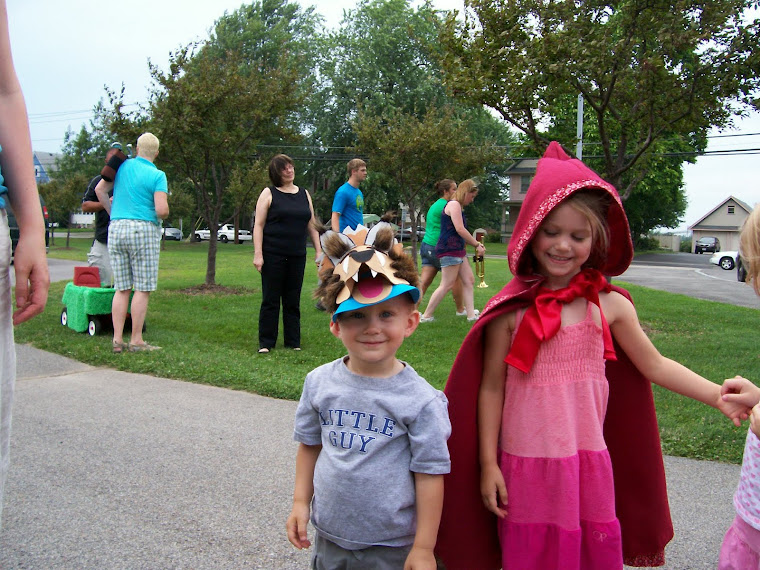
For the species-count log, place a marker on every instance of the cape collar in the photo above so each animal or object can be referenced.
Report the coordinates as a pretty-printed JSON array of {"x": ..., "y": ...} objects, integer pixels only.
[{"x": 543, "y": 317}]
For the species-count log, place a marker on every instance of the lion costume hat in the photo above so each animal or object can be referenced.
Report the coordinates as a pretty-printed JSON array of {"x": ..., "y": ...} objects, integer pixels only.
[{"x": 364, "y": 267}]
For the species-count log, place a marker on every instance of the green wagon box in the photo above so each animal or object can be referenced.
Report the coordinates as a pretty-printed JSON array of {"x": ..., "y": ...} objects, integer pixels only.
[{"x": 87, "y": 308}]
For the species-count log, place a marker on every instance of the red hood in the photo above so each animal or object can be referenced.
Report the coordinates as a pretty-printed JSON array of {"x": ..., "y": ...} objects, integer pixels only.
[{"x": 557, "y": 177}]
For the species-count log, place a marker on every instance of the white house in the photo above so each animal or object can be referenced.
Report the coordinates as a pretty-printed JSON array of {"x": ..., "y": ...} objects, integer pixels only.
[{"x": 724, "y": 222}]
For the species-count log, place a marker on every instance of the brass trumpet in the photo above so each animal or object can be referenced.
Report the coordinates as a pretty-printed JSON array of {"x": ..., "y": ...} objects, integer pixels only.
[{"x": 480, "y": 266}]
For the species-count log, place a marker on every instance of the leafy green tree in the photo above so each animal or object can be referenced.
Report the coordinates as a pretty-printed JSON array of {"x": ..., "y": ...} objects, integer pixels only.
[
  {"x": 82, "y": 153},
  {"x": 379, "y": 59},
  {"x": 269, "y": 34},
  {"x": 660, "y": 198},
  {"x": 647, "y": 70},
  {"x": 211, "y": 114},
  {"x": 219, "y": 100},
  {"x": 63, "y": 197},
  {"x": 414, "y": 152},
  {"x": 382, "y": 65}
]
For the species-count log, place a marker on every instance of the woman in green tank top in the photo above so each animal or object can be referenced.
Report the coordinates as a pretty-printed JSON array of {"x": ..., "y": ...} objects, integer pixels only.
[{"x": 430, "y": 263}]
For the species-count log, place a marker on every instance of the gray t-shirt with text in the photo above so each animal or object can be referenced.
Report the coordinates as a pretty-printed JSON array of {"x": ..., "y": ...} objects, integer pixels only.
[{"x": 375, "y": 434}]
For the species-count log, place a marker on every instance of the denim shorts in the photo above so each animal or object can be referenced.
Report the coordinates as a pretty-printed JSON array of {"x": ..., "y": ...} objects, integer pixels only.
[
  {"x": 427, "y": 254},
  {"x": 447, "y": 260}
]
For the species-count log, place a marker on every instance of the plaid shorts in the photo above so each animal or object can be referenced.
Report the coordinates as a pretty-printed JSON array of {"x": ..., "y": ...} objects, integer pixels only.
[{"x": 133, "y": 246}]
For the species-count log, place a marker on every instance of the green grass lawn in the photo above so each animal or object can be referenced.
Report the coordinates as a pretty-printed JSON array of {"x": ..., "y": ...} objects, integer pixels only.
[{"x": 213, "y": 339}]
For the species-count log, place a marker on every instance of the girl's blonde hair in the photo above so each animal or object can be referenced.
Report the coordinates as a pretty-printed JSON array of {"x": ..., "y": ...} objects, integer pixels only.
[
  {"x": 593, "y": 205},
  {"x": 465, "y": 187},
  {"x": 749, "y": 248}
]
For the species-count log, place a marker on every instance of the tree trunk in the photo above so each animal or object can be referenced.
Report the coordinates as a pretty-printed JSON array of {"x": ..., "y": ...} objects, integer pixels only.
[
  {"x": 414, "y": 221},
  {"x": 211, "y": 259}
]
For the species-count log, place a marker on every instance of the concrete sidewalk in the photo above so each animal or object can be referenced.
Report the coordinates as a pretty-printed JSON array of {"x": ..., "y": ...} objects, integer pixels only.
[{"x": 116, "y": 470}]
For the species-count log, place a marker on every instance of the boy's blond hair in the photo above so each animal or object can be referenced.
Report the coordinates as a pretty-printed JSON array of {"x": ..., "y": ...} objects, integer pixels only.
[
  {"x": 147, "y": 145},
  {"x": 749, "y": 247}
]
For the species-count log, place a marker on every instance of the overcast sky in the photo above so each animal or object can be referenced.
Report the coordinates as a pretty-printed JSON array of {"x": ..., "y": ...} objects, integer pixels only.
[{"x": 65, "y": 52}]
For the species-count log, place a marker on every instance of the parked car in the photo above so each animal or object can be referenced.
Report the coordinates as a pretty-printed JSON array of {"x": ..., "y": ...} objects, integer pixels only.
[
  {"x": 171, "y": 233},
  {"x": 13, "y": 227},
  {"x": 725, "y": 259},
  {"x": 707, "y": 244},
  {"x": 405, "y": 234},
  {"x": 741, "y": 270},
  {"x": 224, "y": 234}
]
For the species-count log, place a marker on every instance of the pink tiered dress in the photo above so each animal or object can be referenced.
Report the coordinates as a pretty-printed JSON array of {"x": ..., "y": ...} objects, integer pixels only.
[{"x": 561, "y": 502}]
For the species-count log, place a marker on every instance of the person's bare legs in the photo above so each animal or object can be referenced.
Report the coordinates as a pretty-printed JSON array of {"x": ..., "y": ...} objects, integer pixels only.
[
  {"x": 448, "y": 276},
  {"x": 467, "y": 279},
  {"x": 139, "y": 310},
  {"x": 457, "y": 293},
  {"x": 426, "y": 278},
  {"x": 428, "y": 274},
  {"x": 119, "y": 308}
]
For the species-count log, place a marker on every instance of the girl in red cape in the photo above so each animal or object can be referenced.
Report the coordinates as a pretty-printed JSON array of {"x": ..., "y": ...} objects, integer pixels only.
[{"x": 556, "y": 458}]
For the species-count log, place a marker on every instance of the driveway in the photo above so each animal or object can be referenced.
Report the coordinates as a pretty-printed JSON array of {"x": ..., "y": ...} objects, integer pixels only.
[{"x": 692, "y": 275}]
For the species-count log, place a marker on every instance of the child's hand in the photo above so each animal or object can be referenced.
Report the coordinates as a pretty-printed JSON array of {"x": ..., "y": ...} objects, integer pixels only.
[
  {"x": 420, "y": 559},
  {"x": 493, "y": 490},
  {"x": 741, "y": 395},
  {"x": 734, "y": 411},
  {"x": 754, "y": 420},
  {"x": 738, "y": 389},
  {"x": 296, "y": 525}
]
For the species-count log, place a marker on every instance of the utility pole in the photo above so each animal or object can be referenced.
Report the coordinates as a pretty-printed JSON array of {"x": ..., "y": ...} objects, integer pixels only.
[{"x": 579, "y": 130}]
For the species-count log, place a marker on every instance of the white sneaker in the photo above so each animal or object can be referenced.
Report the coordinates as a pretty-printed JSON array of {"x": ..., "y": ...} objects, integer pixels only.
[
  {"x": 463, "y": 313},
  {"x": 474, "y": 317},
  {"x": 427, "y": 319}
]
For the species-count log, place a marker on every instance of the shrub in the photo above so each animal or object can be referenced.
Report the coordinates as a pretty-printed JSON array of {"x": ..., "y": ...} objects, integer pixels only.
[{"x": 646, "y": 243}]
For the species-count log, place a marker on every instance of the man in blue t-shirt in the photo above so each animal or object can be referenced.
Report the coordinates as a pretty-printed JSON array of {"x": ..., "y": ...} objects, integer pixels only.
[{"x": 348, "y": 204}]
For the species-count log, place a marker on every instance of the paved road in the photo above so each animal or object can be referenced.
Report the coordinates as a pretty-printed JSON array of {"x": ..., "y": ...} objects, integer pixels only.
[
  {"x": 116, "y": 470},
  {"x": 60, "y": 270},
  {"x": 691, "y": 275},
  {"x": 127, "y": 471}
]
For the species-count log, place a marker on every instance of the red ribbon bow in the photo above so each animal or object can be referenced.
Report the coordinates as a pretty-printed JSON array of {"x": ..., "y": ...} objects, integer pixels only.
[{"x": 543, "y": 318}]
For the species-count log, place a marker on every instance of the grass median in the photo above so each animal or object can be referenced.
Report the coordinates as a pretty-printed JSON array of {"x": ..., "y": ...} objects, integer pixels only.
[{"x": 212, "y": 338}]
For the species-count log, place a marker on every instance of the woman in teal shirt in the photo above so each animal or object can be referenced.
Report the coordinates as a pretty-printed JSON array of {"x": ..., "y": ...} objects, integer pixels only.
[{"x": 431, "y": 265}]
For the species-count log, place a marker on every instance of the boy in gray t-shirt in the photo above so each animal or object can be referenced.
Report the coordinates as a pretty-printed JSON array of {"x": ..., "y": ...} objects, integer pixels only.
[{"x": 372, "y": 432}]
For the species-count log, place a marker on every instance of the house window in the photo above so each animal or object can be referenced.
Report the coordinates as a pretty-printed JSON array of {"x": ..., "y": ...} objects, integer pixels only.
[
  {"x": 525, "y": 183},
  {"x": 731, "y": 209}
]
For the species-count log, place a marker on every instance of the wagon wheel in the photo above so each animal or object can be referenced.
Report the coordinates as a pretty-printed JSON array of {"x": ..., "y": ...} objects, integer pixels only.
[
  {"x": 94, "y": 326},
  {"x": 64, "y": 317}
]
